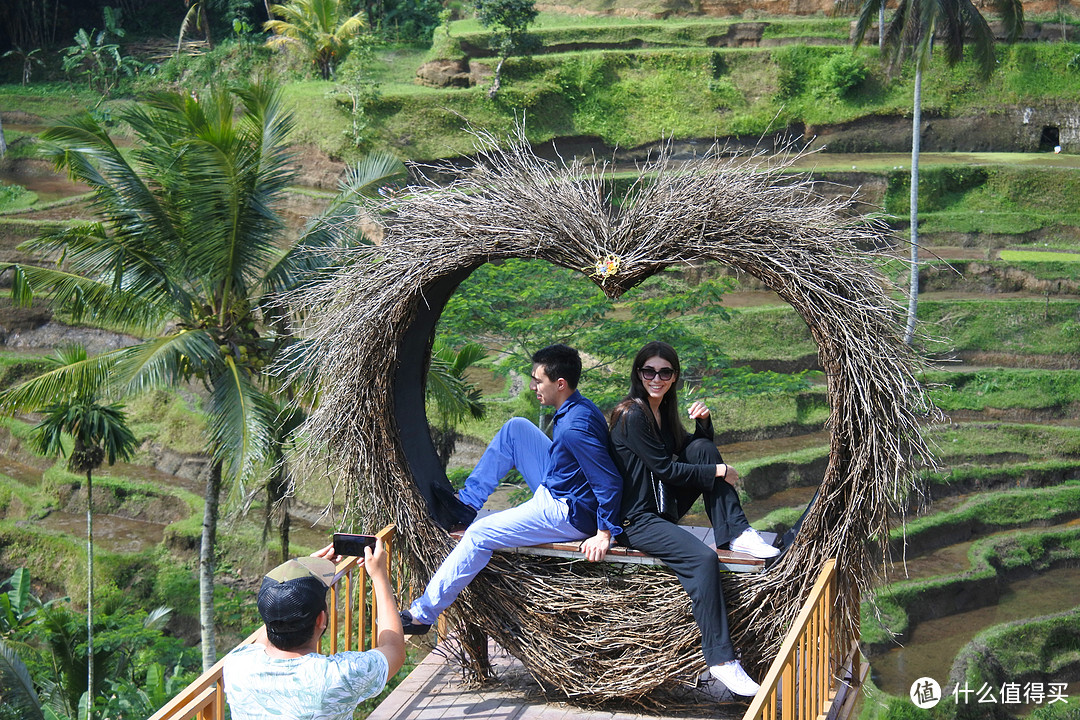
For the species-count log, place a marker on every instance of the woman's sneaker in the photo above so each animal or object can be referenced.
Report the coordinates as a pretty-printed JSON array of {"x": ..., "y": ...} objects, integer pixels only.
[
  {"x": 735, "y": 678},
  {"x": 750, "y": 542}
]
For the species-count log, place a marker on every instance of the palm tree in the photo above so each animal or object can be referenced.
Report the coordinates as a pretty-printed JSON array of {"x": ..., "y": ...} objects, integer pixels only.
[
  {"x": 318, "y": 28},
  {"x": 453, "y": 397},
  {"x": 912, "y": 31},
  {"x": 191, "y": 254},
  {"x": 100, "y": 433},
  {"x": 195, "y": 18}
]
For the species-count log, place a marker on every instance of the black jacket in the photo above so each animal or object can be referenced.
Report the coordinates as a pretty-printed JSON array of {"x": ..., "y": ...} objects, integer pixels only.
[{"x": 644, "y": 454}]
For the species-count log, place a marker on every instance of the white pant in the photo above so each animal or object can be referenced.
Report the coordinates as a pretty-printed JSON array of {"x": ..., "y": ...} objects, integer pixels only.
[{"x": 542, "y": 519}]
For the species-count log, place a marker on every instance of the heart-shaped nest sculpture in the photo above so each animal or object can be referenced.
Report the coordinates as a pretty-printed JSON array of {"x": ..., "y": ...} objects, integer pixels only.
[{"x": 595, "y": 632}]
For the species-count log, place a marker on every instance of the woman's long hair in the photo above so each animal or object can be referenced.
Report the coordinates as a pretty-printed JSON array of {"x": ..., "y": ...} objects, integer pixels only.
[{"x": 669, "y": 405}]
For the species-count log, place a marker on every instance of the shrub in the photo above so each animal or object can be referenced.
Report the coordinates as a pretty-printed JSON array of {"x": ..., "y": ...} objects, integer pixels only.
[
  {"x": 796, "y": 63},
  {"x": 841, "y": 74}
]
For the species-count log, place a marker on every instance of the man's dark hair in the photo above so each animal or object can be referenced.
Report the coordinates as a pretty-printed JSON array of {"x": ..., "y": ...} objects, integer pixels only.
[
  {"x": 294, "y": 638},
  {"x": 560, "y": 361}
]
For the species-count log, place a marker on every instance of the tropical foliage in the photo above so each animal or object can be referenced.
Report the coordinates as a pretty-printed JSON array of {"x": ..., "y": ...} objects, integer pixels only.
[
  {"x": 44, "y": 663},
  {"x": 96, "y": 55},
  {"x": 190, "y": 253},
  {"x": 453, "y": 398},
  {"x": 318, "y": 28}
]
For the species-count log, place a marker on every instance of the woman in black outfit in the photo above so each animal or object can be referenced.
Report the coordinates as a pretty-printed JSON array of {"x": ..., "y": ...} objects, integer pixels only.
[{"x": 664, "y": 471}]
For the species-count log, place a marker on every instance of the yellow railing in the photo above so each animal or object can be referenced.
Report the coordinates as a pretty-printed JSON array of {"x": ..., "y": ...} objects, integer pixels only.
[
  {"x": 803, "y": 680},
  {"x": 204, "y": 699}
]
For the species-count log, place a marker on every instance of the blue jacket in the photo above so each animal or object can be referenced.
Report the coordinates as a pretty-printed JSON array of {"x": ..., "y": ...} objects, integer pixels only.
[{"x": 581, "y": 470}]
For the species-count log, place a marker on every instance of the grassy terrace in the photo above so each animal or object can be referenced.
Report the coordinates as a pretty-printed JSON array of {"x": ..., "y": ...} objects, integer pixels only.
[{"x": 992, "y": 562}]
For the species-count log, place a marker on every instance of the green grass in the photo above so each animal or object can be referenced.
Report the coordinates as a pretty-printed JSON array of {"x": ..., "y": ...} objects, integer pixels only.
[
  {"x": 997, "y": 511},
  {"x": 996, "y": 222},
  {"x": 770, "y": 464},
  {"x": 1043, "y": 648},
  {"x": 760, "y": 333},
  {"x": 989, "y": 188},
  {"x": 767, "y": 410},
  {"x": 1004, "y": 388},
  {"x": 1026, "y": 327},
  {"x": 51, "y": 100},
  {"x": 972, "y": 442},
  {"x": 780, "y": 518},
  {"x": 168, "y": 418},
  {"x": 1038, "y": 257},
  {"x": 685, "y": 91},
  {"x": 15, "y": 198}
]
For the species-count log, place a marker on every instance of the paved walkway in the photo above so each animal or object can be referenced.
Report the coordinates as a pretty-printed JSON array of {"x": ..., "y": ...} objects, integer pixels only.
[{"x": 433, "y": 691}]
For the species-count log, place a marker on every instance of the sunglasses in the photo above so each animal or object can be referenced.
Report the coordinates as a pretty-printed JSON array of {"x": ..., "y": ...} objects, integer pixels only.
[{"x": 651, "y": 373}]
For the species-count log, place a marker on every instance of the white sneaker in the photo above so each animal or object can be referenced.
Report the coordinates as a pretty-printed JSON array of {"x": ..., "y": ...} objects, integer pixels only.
[
  {"x": 750, "y": 542},
  {"x": 735, "y": 678}
]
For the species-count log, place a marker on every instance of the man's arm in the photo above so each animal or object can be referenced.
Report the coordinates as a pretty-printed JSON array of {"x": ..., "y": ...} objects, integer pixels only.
[
  {"x": 391, "y": 640},
  {"x": 591, "y": 452}
]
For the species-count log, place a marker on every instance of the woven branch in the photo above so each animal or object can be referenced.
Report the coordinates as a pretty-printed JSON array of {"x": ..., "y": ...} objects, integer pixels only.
[{"x": 595, "y": 632}]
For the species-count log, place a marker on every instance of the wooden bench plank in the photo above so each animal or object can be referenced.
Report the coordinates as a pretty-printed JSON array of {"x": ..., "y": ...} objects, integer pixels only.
[{"x": 731, "y": 561}]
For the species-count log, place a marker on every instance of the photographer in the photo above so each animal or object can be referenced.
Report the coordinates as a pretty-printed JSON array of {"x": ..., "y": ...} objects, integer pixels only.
[{"x": 282, "y": 674}]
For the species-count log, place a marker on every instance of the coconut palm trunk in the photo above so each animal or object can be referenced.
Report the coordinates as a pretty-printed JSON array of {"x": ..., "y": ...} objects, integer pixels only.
[
  {"x": 90, "y": 594},
  {"x": 207, "y": 563},
  {"x": 916, "y": 132}
]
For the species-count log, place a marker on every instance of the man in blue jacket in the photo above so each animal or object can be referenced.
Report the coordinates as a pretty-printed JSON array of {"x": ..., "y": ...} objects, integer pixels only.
[{"x": 577, "y": 491}]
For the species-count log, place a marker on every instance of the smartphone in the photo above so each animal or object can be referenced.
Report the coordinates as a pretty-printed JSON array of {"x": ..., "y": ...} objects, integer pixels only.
[{"x": 350, "y": 544}]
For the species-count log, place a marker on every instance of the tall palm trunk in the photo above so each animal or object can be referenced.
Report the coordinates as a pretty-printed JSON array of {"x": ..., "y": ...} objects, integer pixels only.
[
  {"x": 494, "y": 89},
  {"x": 90, "y": 594},
  {"x": 207, "y": 562},
  {"x": 277, "y": 508},
  {"x": 913, "y": 288},
  {"x": 881, "y": 27}
]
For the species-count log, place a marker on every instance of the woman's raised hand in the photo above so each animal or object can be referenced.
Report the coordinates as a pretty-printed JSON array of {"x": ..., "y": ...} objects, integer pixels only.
[{"x": 697, "y": 410}]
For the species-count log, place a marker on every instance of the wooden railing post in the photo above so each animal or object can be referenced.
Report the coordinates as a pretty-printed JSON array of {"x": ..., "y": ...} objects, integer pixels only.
[{"x": 806, "y": 668}]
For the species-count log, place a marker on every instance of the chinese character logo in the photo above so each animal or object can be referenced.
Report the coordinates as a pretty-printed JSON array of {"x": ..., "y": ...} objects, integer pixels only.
[{"x": 925, "y": 692}]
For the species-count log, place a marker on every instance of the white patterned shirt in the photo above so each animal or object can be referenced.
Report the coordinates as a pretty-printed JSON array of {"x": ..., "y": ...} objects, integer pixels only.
[{"x": 311, "y": 687}]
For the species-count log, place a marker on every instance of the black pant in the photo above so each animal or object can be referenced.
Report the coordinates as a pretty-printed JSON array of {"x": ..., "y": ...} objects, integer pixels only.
[{"x": 693, "y": 562}]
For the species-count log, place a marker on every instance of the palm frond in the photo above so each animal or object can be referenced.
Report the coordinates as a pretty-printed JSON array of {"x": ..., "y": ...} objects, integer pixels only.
[
  {"x": 1011, "y": 13},
  {"x": 335, "y": 228},
  {"x": 469, "y": 354},
  {"x": 85, "y": 149},
  {"x": 158, "y": 618},
  {"x": 191, "y": 19},
  {"x": 868, "y": 14},
  {"x": 93, "y": 374},
  {"x": 85, "y": 298},
  {"x": 18, "y": 687},
  {"x": 454, "y": 397},
  {"x": 978, "y": 34},
  {"x": 167, "y": 360},
  {"x": 237, "y": 174},
  {"x": 374, "y": 171},
  {"x": 241, "y": 420},
  {"x": 120, "y": 259}
]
